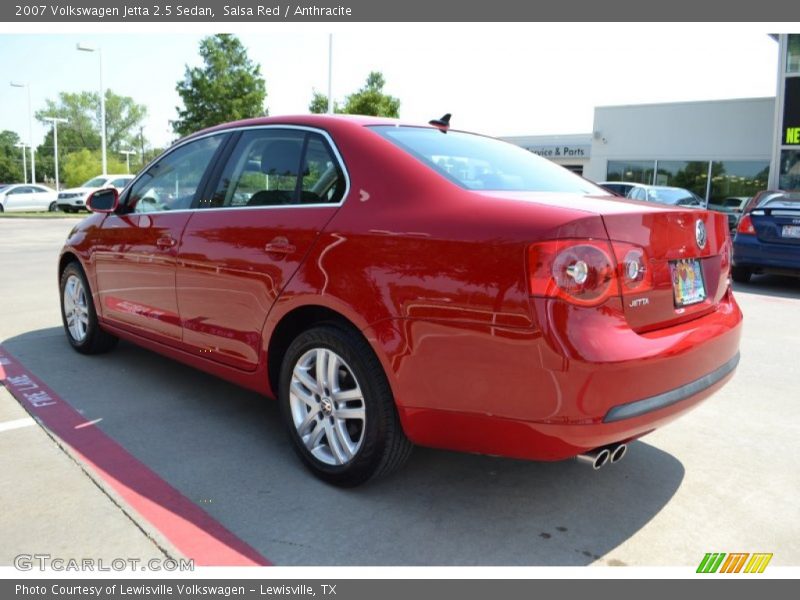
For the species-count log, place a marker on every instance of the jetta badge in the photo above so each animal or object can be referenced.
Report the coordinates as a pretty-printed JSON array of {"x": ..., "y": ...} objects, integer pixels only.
[{"x": 700, "y": 234}]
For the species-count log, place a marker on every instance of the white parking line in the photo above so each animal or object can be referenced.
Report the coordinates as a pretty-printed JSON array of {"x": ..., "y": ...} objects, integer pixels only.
[{"x": 17, "y": 424}]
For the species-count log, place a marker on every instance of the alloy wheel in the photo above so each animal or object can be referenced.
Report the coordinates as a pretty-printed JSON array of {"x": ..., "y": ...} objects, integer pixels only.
[
  {"x": 327, "y": 406},
  {"x": 76, "y": 308}
]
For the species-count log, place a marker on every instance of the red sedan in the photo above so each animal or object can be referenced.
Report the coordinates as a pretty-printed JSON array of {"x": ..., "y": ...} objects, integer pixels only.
[{"x": 393, "y": 285}]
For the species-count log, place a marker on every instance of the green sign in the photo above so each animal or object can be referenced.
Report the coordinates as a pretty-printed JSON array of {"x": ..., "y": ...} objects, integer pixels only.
[{"x": 791, "y": 112}]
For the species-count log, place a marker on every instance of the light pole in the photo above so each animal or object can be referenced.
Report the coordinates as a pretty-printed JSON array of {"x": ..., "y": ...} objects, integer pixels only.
[
  {"x": 330, "y": 73},
  {"x": 24, "y": 160},
  {"x": 18, "y": 84},
  {"x": 87, "y": 48},
  {"x": 55, "y": 121},
  {"x": 127, "y": 154}
]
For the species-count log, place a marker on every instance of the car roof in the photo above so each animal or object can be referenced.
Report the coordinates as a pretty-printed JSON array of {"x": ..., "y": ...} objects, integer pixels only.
[{"x": 320, "y": 121}]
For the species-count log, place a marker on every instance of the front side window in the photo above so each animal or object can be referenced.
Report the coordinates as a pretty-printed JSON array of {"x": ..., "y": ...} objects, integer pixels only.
[
  {"x": 475, "y": 162},
  {"x": 121, "y": 182},
  {"x": 279, "y": 167},
  {"x": 172, "y": 182}
]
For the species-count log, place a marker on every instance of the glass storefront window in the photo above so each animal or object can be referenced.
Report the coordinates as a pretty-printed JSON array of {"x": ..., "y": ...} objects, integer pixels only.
[
  {"x": 793, "y": 54},
  {"x": 635, "y": 171},
  {"x": 737, "y": 178},
  {"x": 789, "y": 177},
  {"x": 689, "y": 175}
]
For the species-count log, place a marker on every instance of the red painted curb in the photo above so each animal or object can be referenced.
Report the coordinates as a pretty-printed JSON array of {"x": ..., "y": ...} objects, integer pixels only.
[{"x": 190, "y": 529}]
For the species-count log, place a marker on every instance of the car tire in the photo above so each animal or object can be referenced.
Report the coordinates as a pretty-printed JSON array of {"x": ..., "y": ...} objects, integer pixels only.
[
  {"x": 341, "y": 450},
  {"x": 53, "y": 207},
  {"x": 78, "y": 314},
  {"x": 1, "y": 208},
  {"x": 741, "y": 274}
]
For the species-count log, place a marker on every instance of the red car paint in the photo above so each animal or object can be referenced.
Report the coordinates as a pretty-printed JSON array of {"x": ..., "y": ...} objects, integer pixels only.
[{"x": 437, "y": 278}]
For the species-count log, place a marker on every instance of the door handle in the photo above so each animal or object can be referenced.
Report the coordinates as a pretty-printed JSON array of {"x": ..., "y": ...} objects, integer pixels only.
[
  {"x": 166, "y": 241},
  {"x": 279, "y": 245}
]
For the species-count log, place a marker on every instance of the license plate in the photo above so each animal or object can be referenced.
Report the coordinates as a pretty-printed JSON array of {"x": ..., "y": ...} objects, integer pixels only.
[
  {"x": 790, "y": 231},
  {"x": 687, "y": 281}
]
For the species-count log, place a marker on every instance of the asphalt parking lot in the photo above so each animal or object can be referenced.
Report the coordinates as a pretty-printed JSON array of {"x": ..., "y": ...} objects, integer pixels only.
[{"x": 722, "y": 479}]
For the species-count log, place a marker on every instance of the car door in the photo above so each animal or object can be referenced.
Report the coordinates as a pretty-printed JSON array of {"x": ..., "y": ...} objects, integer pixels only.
[
  {"x": 136, "y": 247},
  {"x": 19, "y": 198},
  {"x": 41, "y": 198},
  {"x": 243, "y": 245}
]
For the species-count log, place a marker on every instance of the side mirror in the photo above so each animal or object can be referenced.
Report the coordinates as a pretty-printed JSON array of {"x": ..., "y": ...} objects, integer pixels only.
[{"x": 103, "y": 201}]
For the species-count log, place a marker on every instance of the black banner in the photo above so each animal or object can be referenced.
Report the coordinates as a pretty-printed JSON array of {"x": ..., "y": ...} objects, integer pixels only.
[
  {"x": 790, "y": 132},
  {"x": 228, "y": 11}
]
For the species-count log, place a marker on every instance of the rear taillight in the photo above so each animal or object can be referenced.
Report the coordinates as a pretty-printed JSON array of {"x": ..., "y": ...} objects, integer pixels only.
[
  {"x": 632, "y": 268},
  {"x": 587, "y": 272},
  {"x": 745, "y": 226}
]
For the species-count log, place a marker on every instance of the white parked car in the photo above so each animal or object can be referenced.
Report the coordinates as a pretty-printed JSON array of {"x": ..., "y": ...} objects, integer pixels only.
[
  {"x": 74, "y": 199},
  {"x": 26, "y": 197}
]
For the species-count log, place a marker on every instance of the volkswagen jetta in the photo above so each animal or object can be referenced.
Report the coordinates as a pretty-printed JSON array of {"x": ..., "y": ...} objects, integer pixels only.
[{"x": 393, "y": 284}]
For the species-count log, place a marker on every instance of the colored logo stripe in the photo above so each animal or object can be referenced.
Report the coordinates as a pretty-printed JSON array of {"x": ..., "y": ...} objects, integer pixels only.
[
  {"x": 734, "y": 562},
  {"x": 758, "y": 563}
]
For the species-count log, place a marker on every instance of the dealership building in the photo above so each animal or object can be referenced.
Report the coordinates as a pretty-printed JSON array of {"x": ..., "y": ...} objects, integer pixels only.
[{"x": 716, "y": 148}]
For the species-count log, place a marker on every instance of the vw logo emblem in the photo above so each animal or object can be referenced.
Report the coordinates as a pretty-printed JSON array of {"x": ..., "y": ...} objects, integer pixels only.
[{"x": 700, "y": 234}]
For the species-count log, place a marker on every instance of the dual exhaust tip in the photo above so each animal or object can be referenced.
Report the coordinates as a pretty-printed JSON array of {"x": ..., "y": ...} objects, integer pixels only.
[{"x": 600, "y": 457}]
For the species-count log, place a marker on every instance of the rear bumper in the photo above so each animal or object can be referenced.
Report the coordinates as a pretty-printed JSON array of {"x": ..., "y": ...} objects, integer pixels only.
[
  {"x": 582, "y": 381},
  {"x": 644, "y": 406},
  {"x": 750, "y": 252}
]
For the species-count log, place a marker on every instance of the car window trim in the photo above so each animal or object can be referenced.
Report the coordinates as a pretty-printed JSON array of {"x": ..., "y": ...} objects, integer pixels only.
[
  {"x": 209, "y": 180},
  {"x": 326, "y": 136},
  {"x": 331, "y": 146},
  {"x": 132, "y": 183}
]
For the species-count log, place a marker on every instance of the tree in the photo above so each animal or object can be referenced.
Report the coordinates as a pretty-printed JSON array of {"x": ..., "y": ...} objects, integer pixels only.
[
  {"x": 82, "y": 129},
  {"x": 78, "y": 167},
  {"x": 319, "y": 104},
  {"x": 10, "y": 158},
  {"x": 228, "y": 87},
  {"x": 370, "y": 99}
]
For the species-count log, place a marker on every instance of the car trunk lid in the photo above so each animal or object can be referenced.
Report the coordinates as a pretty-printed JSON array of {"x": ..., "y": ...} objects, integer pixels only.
[
  {"x": 687, "y": 253},
  {"x": 669, "y": 238},
  {"x": 778, "y": 224}
]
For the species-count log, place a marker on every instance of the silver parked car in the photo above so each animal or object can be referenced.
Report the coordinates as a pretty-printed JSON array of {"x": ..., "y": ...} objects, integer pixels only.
[
  {"x": 74, "y": 199},
  {"x": 19, "y": 197},
  {"x": 663, "y": 194}
]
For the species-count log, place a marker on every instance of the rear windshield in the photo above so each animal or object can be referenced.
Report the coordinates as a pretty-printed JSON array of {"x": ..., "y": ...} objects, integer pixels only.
[
  {"x": 780, "y": 201},
  {"x": 481, "y": 163}
]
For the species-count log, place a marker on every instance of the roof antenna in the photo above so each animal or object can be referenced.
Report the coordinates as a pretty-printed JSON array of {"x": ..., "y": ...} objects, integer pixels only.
[{"x": 443, "y": 123}]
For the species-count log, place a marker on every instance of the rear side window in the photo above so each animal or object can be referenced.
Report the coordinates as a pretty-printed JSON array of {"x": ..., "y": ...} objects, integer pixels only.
[
  {"x": 475, "y": 162},
  {"x": 279, "y": 167}
]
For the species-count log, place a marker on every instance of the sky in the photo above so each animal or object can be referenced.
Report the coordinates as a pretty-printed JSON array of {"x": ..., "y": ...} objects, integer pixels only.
[{"x": 497, "y": 79}]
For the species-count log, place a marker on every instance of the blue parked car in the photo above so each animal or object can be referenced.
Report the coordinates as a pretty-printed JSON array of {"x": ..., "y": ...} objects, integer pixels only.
[{"x": 768, "y": 236}]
